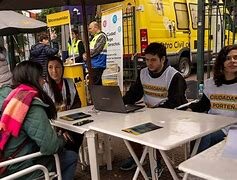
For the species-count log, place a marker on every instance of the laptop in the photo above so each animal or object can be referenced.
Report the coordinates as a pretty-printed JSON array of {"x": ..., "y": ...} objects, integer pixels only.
[{"x": 109, "y": 98}]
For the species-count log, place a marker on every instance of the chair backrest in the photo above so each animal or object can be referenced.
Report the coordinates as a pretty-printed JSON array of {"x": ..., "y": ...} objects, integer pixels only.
[
  {"x": 23, "y": 172},
  {"x": 192, "y": 89}
]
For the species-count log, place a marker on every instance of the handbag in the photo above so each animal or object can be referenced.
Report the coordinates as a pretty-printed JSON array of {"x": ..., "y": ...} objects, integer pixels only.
[{"x": 3, "y": 169}]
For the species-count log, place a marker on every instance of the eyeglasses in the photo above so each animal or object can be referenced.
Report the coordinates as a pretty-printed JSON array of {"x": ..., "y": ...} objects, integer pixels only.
[{"x": 229, "y": 58}]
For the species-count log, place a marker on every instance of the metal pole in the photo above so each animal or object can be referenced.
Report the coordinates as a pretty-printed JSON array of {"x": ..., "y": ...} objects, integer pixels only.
[
  {"x": 234, "y": 20},
  {"x": 134, "y": 42},
  {"x": 210, "y": 38},
  {"x": 11, "y": 53},
  {"x": 200, "y": 42},
  {"x": 85, "y": 31},
  {"x": 70, "y": 33}
]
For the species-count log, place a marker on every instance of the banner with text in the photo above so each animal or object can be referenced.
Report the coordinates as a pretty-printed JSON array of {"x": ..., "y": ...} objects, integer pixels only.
[
  {"x": 58, "y": 19},
  {"x": 112, "y": 26}
]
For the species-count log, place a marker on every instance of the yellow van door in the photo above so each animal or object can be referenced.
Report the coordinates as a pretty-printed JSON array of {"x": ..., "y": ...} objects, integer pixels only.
[
  {"x": 192, "y": 9},
  {"x": 181, "y": 31},
  {"x": 182, "y": 36}
]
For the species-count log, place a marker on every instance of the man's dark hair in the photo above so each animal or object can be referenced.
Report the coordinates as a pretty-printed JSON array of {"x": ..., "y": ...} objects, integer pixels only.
[
  {"x": 156, "y": 49},
  {"x": 75, "y": 30},
  {"x": 219, "y": 75},
  {"x": 43, "y": 36}
]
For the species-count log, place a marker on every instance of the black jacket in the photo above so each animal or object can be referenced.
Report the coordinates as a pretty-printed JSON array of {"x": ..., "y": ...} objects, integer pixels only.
[
  {"x": 176, "y": 91},
  {"x": 41, "y": 52}
]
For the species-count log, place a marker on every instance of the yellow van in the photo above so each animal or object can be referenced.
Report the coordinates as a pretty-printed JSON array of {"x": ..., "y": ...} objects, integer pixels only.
[{"x": 171, "y": 22}]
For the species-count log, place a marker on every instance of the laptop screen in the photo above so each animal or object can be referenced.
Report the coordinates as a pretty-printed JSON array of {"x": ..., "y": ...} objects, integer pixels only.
[{"x": 107, "y": 98}]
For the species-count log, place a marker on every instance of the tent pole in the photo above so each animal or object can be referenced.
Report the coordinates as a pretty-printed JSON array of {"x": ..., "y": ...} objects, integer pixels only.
[
  {"x": 11, "y": 52},
  {"x": 200, "y": 44},
  {"x": 85, "y": 31}
]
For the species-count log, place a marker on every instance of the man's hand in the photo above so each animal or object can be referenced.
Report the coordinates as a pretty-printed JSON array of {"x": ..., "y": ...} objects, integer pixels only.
[
  {"x": 53, "y": 35},
  {"x": 84, "y": 56}
]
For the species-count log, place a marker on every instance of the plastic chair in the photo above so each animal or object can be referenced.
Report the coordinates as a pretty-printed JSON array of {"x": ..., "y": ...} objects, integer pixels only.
[
  {"x": 192, "y": 90},
  {"x": 191, "y": 95},
  {"x": 47, "y": 175}
]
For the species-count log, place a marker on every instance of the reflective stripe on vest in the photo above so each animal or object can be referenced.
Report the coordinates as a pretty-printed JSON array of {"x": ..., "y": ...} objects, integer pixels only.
[
  {"x": 74, "y": 45},
  {"x": 99, "y": 61},
  {"x": 93, "y": 42}
]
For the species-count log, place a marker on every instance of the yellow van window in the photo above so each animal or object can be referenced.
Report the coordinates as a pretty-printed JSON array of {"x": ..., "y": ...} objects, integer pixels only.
[
  {"x": 194, "y": 16},
  {"x": 181, "y": 15},
  {"x": 193, "y": 13}
]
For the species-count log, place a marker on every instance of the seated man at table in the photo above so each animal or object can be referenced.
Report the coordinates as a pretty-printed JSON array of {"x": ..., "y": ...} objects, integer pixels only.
[{"x": 159, "y": 84}]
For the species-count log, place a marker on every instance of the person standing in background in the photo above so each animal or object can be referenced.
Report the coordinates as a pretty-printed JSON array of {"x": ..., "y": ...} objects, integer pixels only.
[
  {"x": 41, "y": 51},
  {"x": 5, "y": 76},
  {"x": 98, "y": 52},
  {"x": 76, "y": 46}
]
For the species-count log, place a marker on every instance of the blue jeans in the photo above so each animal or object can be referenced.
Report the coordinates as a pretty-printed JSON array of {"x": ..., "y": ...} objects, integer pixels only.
[
  {"x": 68, "y": 163},
  {"x": 210, "y": 140}
]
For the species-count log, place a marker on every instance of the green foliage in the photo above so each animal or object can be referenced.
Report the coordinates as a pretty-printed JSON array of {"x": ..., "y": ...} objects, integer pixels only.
[{"x": 42, "y": 16}]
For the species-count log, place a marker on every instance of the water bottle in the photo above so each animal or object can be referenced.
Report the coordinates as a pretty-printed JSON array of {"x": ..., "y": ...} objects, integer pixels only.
[{"x": 200, "y": 90}]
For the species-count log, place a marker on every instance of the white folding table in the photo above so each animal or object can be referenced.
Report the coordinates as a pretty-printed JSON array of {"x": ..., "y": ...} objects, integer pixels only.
[
  {"x": 211, "y": 165},
  {"x": 179, "y": 127},
  {"x": 90, "y": 135}
]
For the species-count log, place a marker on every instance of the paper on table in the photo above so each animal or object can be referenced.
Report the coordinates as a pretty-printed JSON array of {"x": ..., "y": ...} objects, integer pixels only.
[
  {"x": 230, "y": 148},
  {"x": 142, "y": 128}
]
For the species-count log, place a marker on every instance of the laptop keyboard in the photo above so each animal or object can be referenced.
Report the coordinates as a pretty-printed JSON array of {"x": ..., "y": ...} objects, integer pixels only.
[{"x": 130, "y": 107}]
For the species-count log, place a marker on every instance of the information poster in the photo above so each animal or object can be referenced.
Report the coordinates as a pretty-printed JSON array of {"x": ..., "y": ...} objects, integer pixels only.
[{"x": 111, "y": 23}]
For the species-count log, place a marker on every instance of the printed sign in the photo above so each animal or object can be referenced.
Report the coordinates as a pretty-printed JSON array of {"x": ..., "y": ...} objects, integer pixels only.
[
  {"x": 111, "y": 23},
  {"x": 58, "y": 19}
]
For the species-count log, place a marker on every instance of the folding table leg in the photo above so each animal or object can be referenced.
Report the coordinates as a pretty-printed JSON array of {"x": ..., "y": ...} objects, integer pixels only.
[
  {"x": 135, "y": 159},
  {"x": 108, "y": 152},
  {"x": 153, "y": 163},
  {"x": 144, "y": 153},
  {"x": 195, "y": 148},
  {"x": 94, "y": 166},
  {"x": 168, "y": 164},
  {"x": 194, "y": 152}
]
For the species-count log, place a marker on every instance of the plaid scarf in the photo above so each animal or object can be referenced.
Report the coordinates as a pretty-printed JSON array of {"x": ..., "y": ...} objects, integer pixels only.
[{"x": 15, "y": 108}]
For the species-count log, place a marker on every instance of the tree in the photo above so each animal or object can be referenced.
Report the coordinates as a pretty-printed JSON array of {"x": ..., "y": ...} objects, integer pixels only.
[{"x": 42, "y": 15}]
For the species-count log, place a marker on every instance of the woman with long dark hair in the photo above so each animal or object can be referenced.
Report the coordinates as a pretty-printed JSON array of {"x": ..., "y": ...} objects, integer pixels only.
[
  {"x": 25, "y": 121},
  {"x": 64, "y": 94},
  {"x": 220, "y": 93}
]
